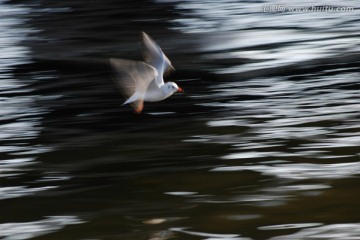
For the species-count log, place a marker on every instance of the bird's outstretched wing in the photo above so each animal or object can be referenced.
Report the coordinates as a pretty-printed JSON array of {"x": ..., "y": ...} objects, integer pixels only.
[
  {"x": 155, "y": 57},
  {"x": 133, "y": 78}
]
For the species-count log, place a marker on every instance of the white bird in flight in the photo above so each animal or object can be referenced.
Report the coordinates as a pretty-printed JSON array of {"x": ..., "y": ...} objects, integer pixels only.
[{"x": 143, "y": 81}]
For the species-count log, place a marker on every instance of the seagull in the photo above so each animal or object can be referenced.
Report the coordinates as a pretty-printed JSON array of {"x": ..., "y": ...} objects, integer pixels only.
[{"x": 143, "y": 81}]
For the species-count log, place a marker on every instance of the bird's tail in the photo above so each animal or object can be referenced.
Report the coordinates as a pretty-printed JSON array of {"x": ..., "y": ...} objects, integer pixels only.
[{"x": 133, "y": 98}]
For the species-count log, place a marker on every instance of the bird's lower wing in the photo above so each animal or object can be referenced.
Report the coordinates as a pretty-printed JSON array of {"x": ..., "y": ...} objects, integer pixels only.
[{"x": 133, "y": 78}]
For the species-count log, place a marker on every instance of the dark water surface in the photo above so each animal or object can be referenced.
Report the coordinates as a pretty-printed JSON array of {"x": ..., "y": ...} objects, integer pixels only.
[{"x": 264, "y": 144}]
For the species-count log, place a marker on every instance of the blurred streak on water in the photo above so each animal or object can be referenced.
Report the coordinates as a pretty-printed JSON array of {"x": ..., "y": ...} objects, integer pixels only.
[{"x": 264, "y": 144}]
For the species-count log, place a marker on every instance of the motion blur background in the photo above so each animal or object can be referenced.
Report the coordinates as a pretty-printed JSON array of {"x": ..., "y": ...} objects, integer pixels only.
[{"x": 264, "y": 144}]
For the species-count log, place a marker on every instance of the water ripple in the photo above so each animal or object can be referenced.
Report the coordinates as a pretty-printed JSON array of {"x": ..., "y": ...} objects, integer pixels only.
[
  {"x": 28, "y": 230},
  {"x": 209, "y": 236},
  {"x": 301, "y": 170},
  {"x": 328, "y": 232}
]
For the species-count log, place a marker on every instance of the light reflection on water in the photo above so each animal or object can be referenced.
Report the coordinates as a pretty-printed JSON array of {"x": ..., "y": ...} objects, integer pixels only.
[
  {"x": 302, "y": 171},
  {"x": 265, "y": 41},
  {"x": 331, "y": 232},
  {"x": 20, "y": 119},
  {"x": 12, "y": 33},
  {"x": 28, "y": 230},
  {"x": 209, "y": 235}
]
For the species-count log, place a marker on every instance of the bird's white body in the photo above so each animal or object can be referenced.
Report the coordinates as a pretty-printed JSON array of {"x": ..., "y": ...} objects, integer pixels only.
[
  {"x": 142, "y": 81},
  {"x": 156, "y": 94}
]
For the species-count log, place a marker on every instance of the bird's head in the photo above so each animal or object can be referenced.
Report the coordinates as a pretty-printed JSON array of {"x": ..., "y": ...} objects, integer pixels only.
[{"x": 172, "y": 87}]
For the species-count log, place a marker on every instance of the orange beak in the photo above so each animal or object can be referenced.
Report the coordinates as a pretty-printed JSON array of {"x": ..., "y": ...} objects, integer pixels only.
[{"x": 180, "y": 90}]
